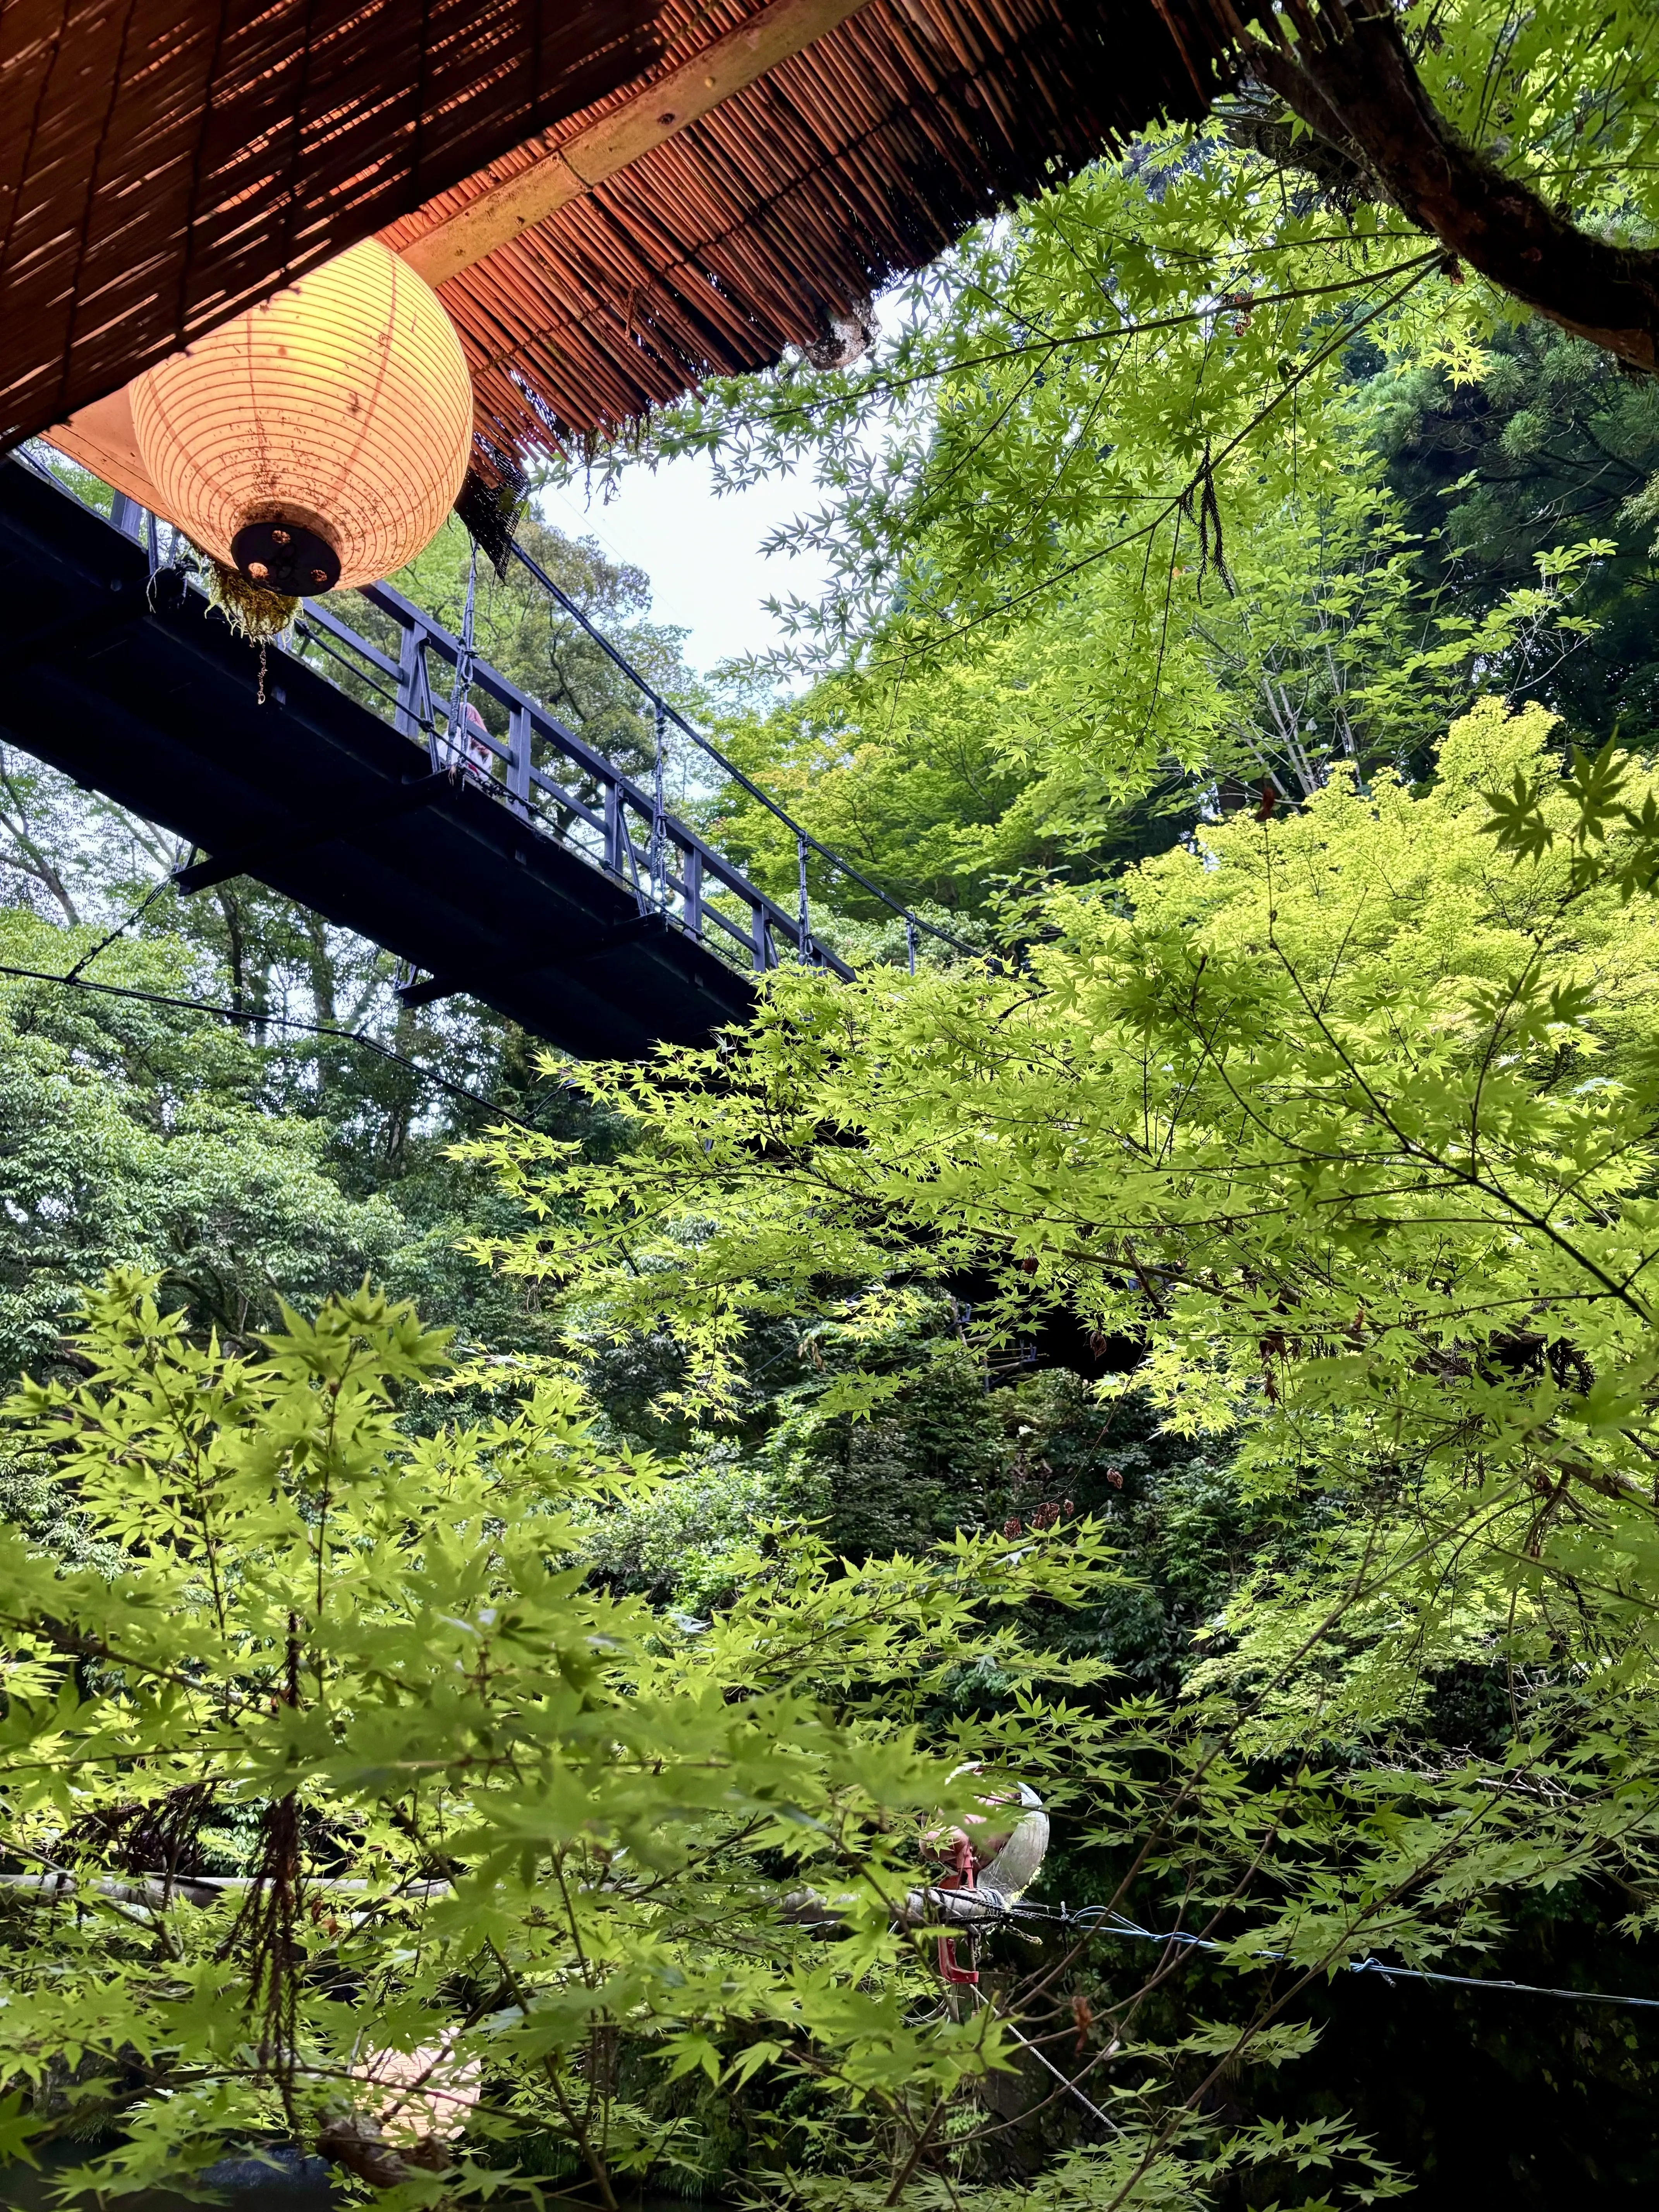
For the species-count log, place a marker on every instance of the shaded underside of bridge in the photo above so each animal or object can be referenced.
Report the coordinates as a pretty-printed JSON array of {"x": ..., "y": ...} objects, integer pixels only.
[{"x": 134, "y": 689}]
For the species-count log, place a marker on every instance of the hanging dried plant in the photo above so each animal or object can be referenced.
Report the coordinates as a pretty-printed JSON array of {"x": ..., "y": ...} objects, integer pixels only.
[{"x": 252, "y": 612}]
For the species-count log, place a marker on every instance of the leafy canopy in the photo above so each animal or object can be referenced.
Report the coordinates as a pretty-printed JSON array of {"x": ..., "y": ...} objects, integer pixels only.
[
  {"x": 1348, "y": 1117},
  {"x": 502, "y": 1819}
]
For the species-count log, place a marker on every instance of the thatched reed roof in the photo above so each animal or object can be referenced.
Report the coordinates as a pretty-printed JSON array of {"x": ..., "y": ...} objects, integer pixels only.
[
  {"x": 164, "y": 163},
  {"x": 774, "y": 219}
]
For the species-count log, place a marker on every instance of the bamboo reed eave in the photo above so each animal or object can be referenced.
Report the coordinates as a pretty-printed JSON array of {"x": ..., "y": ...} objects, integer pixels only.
[{"x": 193, "y": 155}]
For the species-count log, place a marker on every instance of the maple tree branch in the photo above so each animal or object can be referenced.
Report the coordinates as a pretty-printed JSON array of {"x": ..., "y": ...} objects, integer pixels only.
[{"x": 1349, "y": 76}]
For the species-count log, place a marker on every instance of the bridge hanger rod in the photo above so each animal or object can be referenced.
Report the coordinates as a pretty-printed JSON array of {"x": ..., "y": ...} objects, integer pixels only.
[{"x": 730, "y": 767}]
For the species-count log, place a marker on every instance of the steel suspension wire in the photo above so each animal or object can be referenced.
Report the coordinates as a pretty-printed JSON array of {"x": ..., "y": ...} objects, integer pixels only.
[
  {"x": 120, "y": 928},
  {"x": 1097, "y": 1920},
  {"x": 1048, "y": 2063},
  {"x": 730, "y": 767},
  {"x": 78, "y": 983}
]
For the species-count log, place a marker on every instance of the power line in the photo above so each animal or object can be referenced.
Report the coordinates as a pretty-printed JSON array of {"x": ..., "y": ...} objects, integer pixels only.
[{"x": 281, "y": 1021}]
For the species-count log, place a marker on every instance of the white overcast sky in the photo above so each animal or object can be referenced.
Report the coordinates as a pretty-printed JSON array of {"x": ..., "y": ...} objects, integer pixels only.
[{"x": 702, "y": 553}]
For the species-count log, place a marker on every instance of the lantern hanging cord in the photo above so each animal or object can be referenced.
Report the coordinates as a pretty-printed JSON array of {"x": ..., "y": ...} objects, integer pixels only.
[{"x": 279, "y": 1021}]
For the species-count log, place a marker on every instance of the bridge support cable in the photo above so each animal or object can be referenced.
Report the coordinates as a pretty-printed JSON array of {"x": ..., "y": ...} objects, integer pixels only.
[
  {"x": 120, "y": 930},
  {"x": 727, "y": 767}
]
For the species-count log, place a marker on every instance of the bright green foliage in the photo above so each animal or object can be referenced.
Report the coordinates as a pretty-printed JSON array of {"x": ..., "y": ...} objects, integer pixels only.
[
  {"x": 580, "y": 1844},
  {"x": 938, "y": 787},
  {"x": 1108, "y": 516},
  {"x": 1119, "y": 1086},
  {"x": 1062, "y": 392},
  {"x": 1128, "y": 375},
  {"x": 1115, "y": 464},
  {"x": 1078, "y": 743},
  {"x": 1352, "y": 1118},
  {"x": 494, "y": 1805}
]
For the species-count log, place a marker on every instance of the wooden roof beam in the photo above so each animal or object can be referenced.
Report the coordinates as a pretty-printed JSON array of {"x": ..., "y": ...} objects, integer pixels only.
[{"x": 659, "y": 113}]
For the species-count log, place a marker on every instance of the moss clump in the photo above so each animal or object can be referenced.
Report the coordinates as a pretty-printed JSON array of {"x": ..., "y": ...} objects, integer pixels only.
[{"x": 251, "y": 611}]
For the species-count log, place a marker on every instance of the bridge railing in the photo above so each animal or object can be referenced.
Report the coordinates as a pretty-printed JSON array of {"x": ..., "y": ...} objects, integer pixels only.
[
  {"x": 552, "y": 778},
  {"x": 542, "y": 770}
]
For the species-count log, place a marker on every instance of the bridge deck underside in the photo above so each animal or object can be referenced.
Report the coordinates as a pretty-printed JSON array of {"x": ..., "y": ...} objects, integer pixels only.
[{"x": 158, "y": 708}]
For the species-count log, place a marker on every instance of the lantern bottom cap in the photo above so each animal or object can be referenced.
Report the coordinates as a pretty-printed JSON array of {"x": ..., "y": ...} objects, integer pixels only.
[{"x": 283, "y": 554}]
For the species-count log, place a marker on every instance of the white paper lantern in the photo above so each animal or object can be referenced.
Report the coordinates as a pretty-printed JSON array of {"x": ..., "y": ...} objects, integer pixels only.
[{"x": 320, "y": 439}]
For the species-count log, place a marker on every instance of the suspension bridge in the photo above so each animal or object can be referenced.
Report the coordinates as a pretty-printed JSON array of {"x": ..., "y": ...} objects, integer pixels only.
[{"x": 350, "y": 773}]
